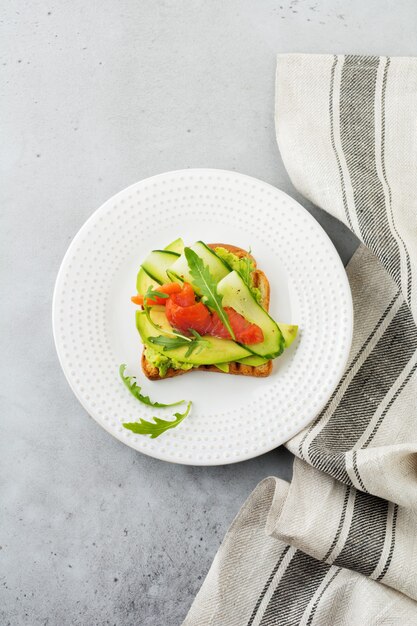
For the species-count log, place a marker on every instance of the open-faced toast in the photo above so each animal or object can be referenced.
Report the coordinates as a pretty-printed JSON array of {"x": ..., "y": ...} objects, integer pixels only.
[{"x": 261, "y": 282}]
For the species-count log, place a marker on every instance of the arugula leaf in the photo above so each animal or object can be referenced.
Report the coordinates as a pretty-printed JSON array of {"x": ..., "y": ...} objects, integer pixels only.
[
  {"x": 207, "y": 285},
  {"x": 201, "y": 343},
  {"x": 151, "y": 294},
  {"x": 146, "y": 309},
  {"x": 159, "y": 426},
  {"x": 171, "y": 343},
  {"x": 135, "y": 391}
]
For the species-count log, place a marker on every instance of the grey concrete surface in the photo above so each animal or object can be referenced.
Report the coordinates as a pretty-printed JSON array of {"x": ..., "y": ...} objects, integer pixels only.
[{"x": 95, "y": 96}]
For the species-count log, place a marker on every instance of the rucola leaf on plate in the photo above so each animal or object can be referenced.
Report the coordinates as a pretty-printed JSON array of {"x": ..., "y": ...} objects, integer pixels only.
[
  {"x": 158, "y": 426},
  {"x": 134, "y": 389}
]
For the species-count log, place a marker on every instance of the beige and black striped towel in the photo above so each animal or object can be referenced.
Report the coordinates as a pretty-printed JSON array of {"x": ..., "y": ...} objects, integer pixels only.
[{"x": 339, "y": 544}]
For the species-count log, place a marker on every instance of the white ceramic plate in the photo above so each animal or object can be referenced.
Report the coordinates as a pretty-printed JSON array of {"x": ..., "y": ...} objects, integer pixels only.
[{"x": 233, "y": 418}]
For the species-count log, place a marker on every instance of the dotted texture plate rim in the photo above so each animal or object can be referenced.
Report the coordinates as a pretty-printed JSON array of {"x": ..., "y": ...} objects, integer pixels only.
[{"x": 233, "y": 418}]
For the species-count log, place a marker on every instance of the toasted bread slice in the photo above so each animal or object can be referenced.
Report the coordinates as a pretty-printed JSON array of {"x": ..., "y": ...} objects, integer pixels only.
[{"x": 260, "y": 371}]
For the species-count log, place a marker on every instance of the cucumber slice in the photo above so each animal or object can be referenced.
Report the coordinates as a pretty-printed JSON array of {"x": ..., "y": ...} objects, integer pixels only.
[
  {"x": 180, "y": 271},
  {"x": 144, "y": 281},
  {"x": 176, "y": 246},
  {"x": 217, "y": 350},
  {"x": 254, "y": 360},
  {"x": 173, "y": 277},
  {"x": 237, "y": 294},
  {"x": 157, "y": 263}
]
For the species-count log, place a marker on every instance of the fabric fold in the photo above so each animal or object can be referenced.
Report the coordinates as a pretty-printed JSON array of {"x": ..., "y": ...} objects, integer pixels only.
[
  {"x": 258, "y": 580},
  {"x": 339, "y": 545},
  {"x": 340, "y": 525}
]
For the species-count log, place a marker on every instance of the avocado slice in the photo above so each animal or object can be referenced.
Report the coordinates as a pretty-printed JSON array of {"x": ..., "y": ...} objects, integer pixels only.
[
  {"x": 237, "y": 295},
  {"x": 223, "y": 367},
  {"x": 254, "y": 360},
  {"x": 216, "y": 351},
  {"x": 289, "y": 332}
]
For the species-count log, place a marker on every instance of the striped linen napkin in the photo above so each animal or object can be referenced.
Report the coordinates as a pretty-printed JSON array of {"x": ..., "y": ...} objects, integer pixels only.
[{"x": 339, "y": 544}]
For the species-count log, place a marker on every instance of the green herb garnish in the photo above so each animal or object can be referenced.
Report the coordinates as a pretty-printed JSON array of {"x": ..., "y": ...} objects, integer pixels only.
[
  {"x": 207, "y": 285},
  {"x": 151, "y": 294},
  {"x": 159, "y": 426},
  {"x": 135, "y": 391},
  {"x": 171, "y": 343}
]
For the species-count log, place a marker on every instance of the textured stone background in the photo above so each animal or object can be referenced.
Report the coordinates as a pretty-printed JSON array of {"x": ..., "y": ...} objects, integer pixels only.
[{"x": 95, "y": 96}]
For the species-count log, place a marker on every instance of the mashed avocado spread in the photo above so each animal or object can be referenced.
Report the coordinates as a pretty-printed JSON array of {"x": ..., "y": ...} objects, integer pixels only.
[
  {"x": 244, "y": 267},
  {"x": 163, "y": 363}
]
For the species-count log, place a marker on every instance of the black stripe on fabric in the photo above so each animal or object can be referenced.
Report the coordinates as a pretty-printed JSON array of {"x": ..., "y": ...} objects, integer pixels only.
[
  {"x": 389, "y": 405},
  {"x": 357, "y": 131},
  {"x": 341, "y": 522},
  {"x": 356, "y": 470},
  {"x": 323, "y": 591},
  {"x": 331, "y": 113},
  {"x": 346, "y": 374},
  {"x": 391, "y": 550},
  {"x": 365, "y": 541},
  {"x": 364, "y": 394},
  {"x": 266, "y": 586},
  {"x": 384, "y": 174},
  {"x": 297, "y": 586}
]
